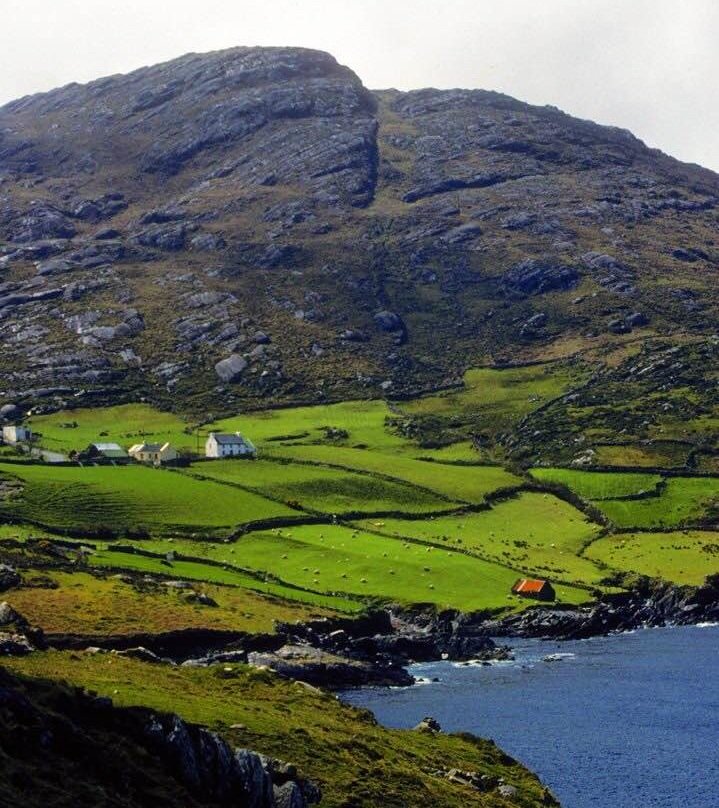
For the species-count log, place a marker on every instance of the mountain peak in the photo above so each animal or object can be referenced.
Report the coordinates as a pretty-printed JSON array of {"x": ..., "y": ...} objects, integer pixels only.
[{"x": 153, "y": 225}]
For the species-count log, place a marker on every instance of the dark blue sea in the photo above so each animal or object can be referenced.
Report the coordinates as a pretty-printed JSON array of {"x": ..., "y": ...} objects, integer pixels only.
[{"x": 627, "y": 721}]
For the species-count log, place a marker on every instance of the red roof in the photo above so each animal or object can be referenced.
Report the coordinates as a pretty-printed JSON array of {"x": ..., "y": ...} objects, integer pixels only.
[{"x": 529, "y": 585}]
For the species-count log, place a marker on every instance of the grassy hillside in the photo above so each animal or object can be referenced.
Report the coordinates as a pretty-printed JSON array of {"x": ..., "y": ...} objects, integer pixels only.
[{"x": 356, "y": 761}]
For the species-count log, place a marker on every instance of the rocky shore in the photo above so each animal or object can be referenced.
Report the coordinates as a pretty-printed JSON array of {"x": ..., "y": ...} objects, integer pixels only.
[
  {"x": 648, "y": 604},
  {"x": 376, "y": 648}
]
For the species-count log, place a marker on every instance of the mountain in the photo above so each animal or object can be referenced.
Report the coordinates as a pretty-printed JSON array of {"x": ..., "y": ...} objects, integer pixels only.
[{"x": 255, "y": 227}]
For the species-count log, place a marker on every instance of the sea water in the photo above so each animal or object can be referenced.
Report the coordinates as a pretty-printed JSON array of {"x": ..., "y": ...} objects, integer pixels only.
[{"x": 626, "y": 721}]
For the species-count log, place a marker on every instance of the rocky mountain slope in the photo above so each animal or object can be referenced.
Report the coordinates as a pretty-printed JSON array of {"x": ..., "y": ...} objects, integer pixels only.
[{"x": 255, "y": 224}]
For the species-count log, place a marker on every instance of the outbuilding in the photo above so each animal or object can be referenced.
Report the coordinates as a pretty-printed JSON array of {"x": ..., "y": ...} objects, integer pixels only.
[
  {"x": 155, "y": 453},
  {"x": 112, "y": 452},
  {"x": 220, "y": 444},
  {"x": 536, "y": 588},
  {"x": 16, "y": 434}
]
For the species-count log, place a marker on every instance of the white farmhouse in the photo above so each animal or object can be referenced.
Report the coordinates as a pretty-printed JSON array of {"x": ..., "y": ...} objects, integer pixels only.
[
  {"x": 155, "y": 453},
  {"x": 16, "y": 434},
  {"x": 220, "y": 444}
]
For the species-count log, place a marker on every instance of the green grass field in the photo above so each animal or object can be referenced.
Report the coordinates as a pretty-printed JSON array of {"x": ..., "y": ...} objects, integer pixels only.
[
  {"x": 225, "y": 574},
  {"x": 336, "y": 559},
  {"x": 534, "y": 533},
  {"x": 121, "y": 498},
  {"x": 499, "y": 396},
  {"x": 685, "y": 556},
  {"x": 322, "y": 489},
  {"x": 465, "y": 483},
  {"x": 125, "y": 424},
  {"x": 367, "y": 469},
  {"x": 683, "y": 501},
  {"x": 594, "y": 485}
]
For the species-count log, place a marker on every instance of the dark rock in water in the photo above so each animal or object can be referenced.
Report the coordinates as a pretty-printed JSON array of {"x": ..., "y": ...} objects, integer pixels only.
[{"x": 232, "y": 368}]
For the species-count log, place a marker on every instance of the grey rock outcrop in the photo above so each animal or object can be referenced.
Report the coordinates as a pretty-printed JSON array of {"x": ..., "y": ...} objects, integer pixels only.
[{"x": 231, "y": 369}]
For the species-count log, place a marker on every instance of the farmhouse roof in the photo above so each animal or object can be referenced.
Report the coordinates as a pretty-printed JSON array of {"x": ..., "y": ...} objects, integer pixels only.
[
  {"x": 529, "y": 585},
  {"x": 227, "y": 438},
  {"x": 147, "y": 447}
]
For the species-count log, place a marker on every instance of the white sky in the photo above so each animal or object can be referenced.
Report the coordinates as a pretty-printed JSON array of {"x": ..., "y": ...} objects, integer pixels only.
[{"x": 651, "y": 66}]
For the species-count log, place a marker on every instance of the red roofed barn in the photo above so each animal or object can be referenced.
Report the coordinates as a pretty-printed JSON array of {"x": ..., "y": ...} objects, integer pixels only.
[{"x": 534, "y": 588}]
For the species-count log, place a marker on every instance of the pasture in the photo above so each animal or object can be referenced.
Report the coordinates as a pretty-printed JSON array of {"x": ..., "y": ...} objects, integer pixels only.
[
  {"x": 498, "y": 397},
  {"x": 339, "y": 560},
  {"x": 130, "y": 498},
  {"x": 596, "y": 485},
  {"x": 320, "y": 489},
  {"x": 681, "y": 501},
  {"x": 682, "y": 556},
  {"x": 461, "y": 483},
  {"x": 535, "y": 534}
]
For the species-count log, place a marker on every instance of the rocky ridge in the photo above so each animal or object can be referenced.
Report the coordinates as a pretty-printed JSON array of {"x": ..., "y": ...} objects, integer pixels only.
[{"x": 255, "y": 225}]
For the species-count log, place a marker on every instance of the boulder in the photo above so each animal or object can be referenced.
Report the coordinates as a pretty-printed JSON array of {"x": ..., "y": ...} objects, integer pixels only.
[
  {"x": 353, "y": 335},
  {"x": 636, "y": 319},
  {"x": 8, "y": 615},
  {"x": 14, "y": 644},
  {"x": 53, "y": 266},
  {"x": 507, "y": 791},
  {"x": 9, "y": 577},
  {"x": 9, "y": 412},
  {"x": 532, "y": 327},
  {"x": 230, "y": 369},
  {"x": 388, "y": 320},
  {"x": 532, "y": 277},
  {"x": 428, "y": 724}
]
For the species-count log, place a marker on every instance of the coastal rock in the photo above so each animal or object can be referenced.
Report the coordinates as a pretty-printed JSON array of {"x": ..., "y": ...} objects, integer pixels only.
[
  {"x": 428, "y": 724},
  {"x": 315, "y": 666}
]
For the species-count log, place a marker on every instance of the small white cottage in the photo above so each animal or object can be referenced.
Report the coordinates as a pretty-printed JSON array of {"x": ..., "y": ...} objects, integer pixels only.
[
  {"x": 219, "y": 444},
  {"x": 155, "y": 453},
  {"x": 16, "y": 434}
]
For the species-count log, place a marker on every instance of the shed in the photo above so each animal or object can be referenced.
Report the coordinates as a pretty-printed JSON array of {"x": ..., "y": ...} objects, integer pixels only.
[
  {"x": 220, "y": 444},
  {"x": 105, "y": 451},
  {"x": 536, "y": 588}
]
